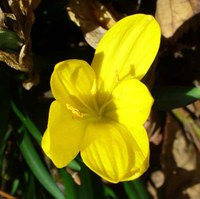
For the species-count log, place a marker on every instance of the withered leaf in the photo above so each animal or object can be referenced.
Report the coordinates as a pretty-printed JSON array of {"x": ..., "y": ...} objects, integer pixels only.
[
  {"x": 6, "y": 195},
  {"x": 25, "y": 5},
  {"x": 177, "y": 178},
  {"x": 184, "y": 152},
  {"x": 93, "y": 37},
  {"x": 2, "y": 20},
  {"x": 171, "y": 14},
  {"x": 93, "y": 18},
  {"x": 158, "y": 178},
  {"x": 193, "y": 191},
  {"x": 21, "y": 17},
  {"x": 10, "y": 59},
  {"x": 192, "y": 126}
]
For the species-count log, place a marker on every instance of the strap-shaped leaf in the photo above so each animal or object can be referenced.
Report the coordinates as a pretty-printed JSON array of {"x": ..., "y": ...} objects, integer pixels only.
[
  {"x": 37, "y": 167},
  {"x": 167, "y": 98},
  {"x": 70, "y": 186},
  {"x": 26, "y": 121},
  {"x": 136, "y": 189}
]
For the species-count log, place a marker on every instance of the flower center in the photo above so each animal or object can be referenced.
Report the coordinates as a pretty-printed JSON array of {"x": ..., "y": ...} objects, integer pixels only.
[
  {"x": 90, "y": 107},
  {"x": 100, "y": 104}
]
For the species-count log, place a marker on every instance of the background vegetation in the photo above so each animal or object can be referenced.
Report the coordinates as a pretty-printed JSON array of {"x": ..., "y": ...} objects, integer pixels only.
[{"x": 35, "y": 35}]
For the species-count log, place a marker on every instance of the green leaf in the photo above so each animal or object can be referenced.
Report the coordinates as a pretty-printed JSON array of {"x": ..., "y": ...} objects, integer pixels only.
[
  {"x": 37, "y": 167},
  {"x": 31, "y": 188},
  {"x": 15, "y": 186},
  {"x": 70, "y": 186},
  {"x": 136, "y": 189},
  {"x": 27, "y": 123},
  {"x": 167, "y": 98},
  {"x": 86, "y": 189},
  {"x": 9, "y": 41},
  {"x": 74, "y": 165},
  {"x": 109, "y": 192},
  {"x": 91, "y": 184}
]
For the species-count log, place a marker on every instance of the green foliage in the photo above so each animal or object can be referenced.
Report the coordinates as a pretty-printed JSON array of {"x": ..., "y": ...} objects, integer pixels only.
[
  {"x": 37, "y": 167},
  {"x": 168, "y": 98},
  {"x": 9, "y": 41},
  {"x": 136, "y": 189}
]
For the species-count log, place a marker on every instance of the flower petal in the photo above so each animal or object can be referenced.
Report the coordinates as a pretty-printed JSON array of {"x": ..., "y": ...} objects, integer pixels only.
[
  {"x": 61, "y": 141},
  {"x": 74, "y": 81},
  {"x": 114, "y": 153},
  {"x": 131, "y": 103},
  {"x": 141, "y": 152},
  {"x": 127, "y": 49}
]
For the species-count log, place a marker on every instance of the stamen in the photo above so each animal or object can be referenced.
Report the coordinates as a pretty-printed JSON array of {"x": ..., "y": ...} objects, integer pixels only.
[{"x": 75, "y": 111}]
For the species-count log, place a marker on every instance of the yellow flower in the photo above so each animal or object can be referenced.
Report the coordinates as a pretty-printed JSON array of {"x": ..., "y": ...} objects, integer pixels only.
[{"x": 100, "y": 109}]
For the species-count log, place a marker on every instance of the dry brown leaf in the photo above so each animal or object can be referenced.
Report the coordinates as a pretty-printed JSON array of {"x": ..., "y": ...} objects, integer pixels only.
[
  {"x": 21, "y": 18},
  {"x": 93, "y": 37},
  {"x": 177, "y": 179},
  {"x": 2, "y": 20},
  {"x": 10, "y": 59},
  {"x": 6, "y": 195},
  {"x": 26, "y": 4},
  {"x": 152, "y": 190},
  {"x": 193, "y": 192},
  {"x": 75, "y": 175},
  {"x": 158, "y": 178},
  {"x": 190, "y": 124},
  {"x": 171, "y": 14},
  {"x": 195, "y": 109},
  {"x": 184, "y": 152},
  {"x": 93, "y": 18},
  {"x": 153, "y": 127},
  {"x": 190, "y": 145}
]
